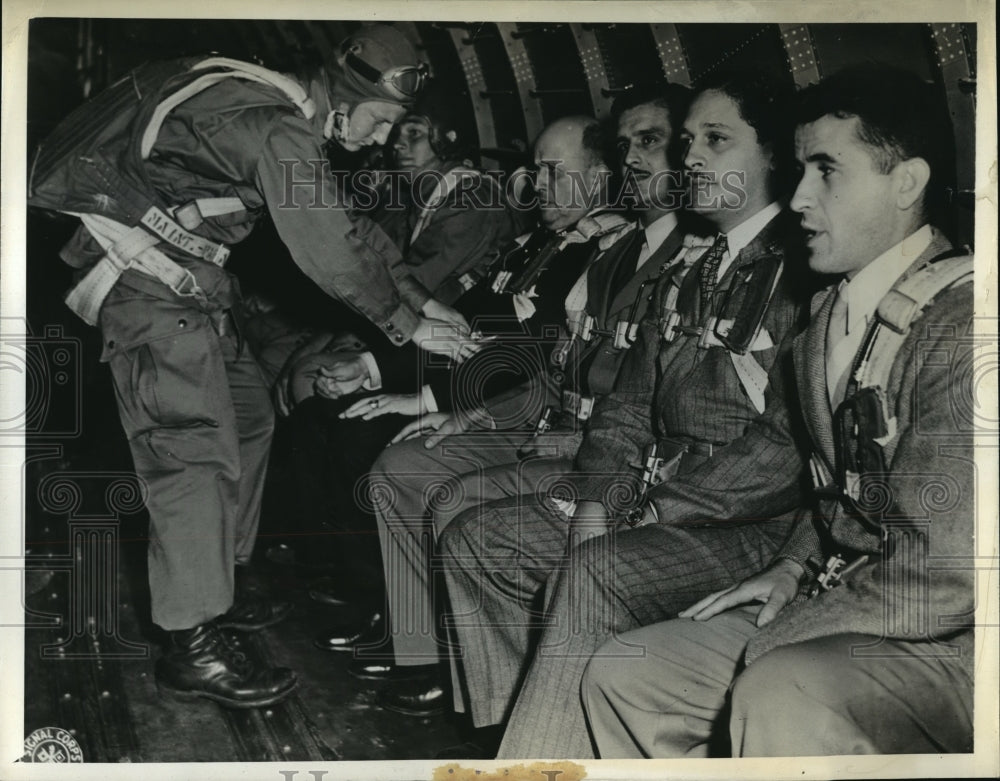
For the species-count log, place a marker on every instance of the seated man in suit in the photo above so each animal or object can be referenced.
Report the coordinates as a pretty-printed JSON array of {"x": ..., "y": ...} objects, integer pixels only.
[
  {"x": 863, "y": 644},
  {"x": 514, "y": 306},
  {"x": 691, "y": 386},
  {"x": 601, "y": 312}
]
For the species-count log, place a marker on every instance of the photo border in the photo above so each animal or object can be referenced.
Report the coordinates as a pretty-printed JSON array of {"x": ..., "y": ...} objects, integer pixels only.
[{"x": 16, "y": 14}]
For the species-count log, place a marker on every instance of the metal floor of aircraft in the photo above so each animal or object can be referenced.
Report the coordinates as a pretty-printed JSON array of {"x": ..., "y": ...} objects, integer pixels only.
[{"x": 100, "y": 685}]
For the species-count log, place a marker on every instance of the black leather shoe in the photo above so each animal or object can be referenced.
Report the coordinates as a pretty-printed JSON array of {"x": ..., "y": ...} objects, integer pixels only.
[
  {"x": 368, "y": 631},
  {"x": 250, "y": 615},
  {"x": 386, "y": 670},
  {"x": 285, "y": 559},
  {"x": 414, "y": 698},
  {"x": 328, "y": 591},
  {"x": 202, "y": 662}
]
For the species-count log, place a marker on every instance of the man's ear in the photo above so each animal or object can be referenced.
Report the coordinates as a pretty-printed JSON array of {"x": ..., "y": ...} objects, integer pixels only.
[
  {"x": 772, "y": 162},
  {"x": 600, "y": 173},
  {"x": 912, "y": 177}
]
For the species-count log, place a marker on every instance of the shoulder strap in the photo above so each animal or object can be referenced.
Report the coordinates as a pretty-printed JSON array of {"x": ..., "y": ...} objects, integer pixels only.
[
  {"x": 234, "y": 68},
  {"x": 867, "y": 432},
  {"x": 445, "y": 185},
  {"x": 903, "y": 304}
]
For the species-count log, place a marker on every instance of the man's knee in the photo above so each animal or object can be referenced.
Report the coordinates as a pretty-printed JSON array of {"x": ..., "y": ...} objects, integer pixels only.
[
  {"x": 607, "y": 675},
  {"x": 785, "y": 689},
  {"x": 393, "y": 459},
  {"x": 772, "y": 686},
  {"x": 455, "y": 540},
  {"x": 448, "y": 498},
  {"x": 397, "y": 482},
  {"x": 307, "y": 420}
]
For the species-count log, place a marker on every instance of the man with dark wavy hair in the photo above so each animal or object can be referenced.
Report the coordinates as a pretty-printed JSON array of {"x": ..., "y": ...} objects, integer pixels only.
[
  {"x": 857, "y": 639},
  {"x": 533, "y": 597}
]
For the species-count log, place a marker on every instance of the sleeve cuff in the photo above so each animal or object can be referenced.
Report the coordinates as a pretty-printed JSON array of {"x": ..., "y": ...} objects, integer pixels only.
[
  {"x": 374, "y": 381},
  {"x": 524, "y": 308},
  {"x": 430, "y": 403},
  {"x": 803, "y": 544},
  {"x": 401, "y": 324}
]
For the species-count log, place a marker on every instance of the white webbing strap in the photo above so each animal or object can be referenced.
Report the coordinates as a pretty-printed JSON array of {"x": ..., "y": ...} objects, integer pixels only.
[
  {"x": 896, "y": 312},
  {"x": 125, "y": 248},
  {"x": 295, "y": 91},
  {"x": 752, "y": 377},
  {"x": 242, "y": 70},
  {"x": 160, "y": 223},
  {"x": 193, "y": 213},
  {"x": 447, "y": 183}
]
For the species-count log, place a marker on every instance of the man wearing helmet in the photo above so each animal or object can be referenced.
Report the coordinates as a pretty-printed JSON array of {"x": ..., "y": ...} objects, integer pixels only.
[{"x": 165, "y": 170}]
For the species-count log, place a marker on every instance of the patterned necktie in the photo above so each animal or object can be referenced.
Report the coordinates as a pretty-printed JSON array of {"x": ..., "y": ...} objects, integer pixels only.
[{"x": 710, "y": 271}]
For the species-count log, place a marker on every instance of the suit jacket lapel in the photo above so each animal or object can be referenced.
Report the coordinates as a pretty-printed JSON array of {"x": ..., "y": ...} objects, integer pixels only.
[
  {"x": 598, "y": 284},
  {"x": 938, "y": 246},
  {"x": 810, "y": 358},
  {"x": 767, "y": 242},
  {"x": 809, "y": 352},
  {"x": 650, "y": 270}
]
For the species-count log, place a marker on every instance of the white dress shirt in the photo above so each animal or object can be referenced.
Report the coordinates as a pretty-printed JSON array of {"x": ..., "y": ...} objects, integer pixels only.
[
  {"x": 656, "y": 234},
  {"x": 744, "y": 233},
  {"x": 856, "y": 303}
]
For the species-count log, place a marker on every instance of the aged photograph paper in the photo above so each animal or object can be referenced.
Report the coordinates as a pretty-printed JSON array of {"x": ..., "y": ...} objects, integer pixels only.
[{"x": 525, "y": 390}]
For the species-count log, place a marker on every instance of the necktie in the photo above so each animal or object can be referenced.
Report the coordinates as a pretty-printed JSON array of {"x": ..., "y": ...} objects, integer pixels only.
[
  {"x": 710, "y": 271},
  {"x": 534, "y": 266},
  {"x": 627, "y": 265},
  {"x": 642, "y": 253},
  {"x": 840, "y": 350}
]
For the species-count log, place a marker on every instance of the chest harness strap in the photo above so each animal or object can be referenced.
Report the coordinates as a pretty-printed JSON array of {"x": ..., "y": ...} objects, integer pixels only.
[
  {"x": 865, "y": 429},
  {"x": 741, "y": 334},
  {"x": 135, "y": 247}
]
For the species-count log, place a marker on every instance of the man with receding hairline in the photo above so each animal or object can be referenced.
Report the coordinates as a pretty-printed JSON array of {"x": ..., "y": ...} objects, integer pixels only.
[
  {"x": 533, "y": 279},
  {"x": 533, "y": 597}
]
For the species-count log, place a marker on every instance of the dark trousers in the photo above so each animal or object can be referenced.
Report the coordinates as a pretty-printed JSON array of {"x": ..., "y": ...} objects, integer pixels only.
[{"x": 330, "y": 459}]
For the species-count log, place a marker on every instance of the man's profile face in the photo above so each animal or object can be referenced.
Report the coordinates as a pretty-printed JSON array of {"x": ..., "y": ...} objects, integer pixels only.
[
  {"x": 847, "y": 205},
  {"x": 370, "y": 123},
  {"x": 643, "y": 139},
  {"x": 565, "y": 179}
]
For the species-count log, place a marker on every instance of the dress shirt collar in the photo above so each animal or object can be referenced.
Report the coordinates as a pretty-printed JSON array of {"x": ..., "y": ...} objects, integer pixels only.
[
  {"x": 747, "y": 230},
  {"x": 863, "y": 293},
  {"x": 657, "y": 233}
]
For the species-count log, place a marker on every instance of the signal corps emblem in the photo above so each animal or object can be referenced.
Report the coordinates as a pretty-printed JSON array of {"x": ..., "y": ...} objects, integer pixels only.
[{"x": 51, "y": 744}]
